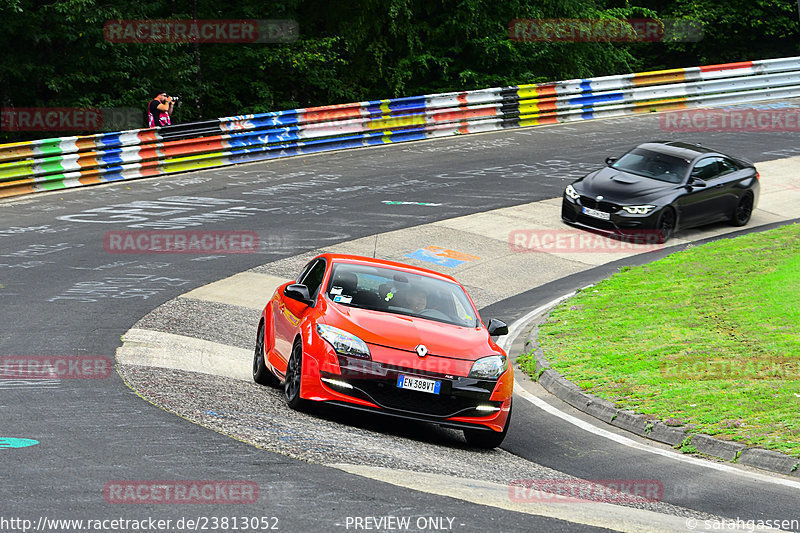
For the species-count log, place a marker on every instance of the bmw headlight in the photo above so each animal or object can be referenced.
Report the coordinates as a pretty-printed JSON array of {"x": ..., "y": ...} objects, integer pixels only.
[
  {"x": 343, "y": 342},
  {"x": 638, "y": 209},
  {"x": 571, "y": 192},
  {"x": 489, "y": 367}
]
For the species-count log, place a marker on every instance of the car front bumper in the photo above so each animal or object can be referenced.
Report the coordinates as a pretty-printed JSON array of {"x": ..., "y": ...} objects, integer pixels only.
[
  {"x": 619, "y": 221},
  {"x": 461, "y": 402}
]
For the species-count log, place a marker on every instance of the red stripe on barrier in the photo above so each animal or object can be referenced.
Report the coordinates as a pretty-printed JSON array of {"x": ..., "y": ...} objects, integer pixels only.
[
  {"x": 90, "y": 180},
  {"x": 85, "y": 143},
  {"x": 16, "y": 188},
  {"x": 727, "y": 66},
  {"x": 87, "y": 160},
  {"x": 147, "y": 136},
  {"x": 151, "y": 168},
  {"x": 332, "y": 112},
  {"x": 21, "y": 152},
  {"x": 546, "y": 89},
  {"x": 193, "y": 146},
  {"x": 550, "y": 119}
]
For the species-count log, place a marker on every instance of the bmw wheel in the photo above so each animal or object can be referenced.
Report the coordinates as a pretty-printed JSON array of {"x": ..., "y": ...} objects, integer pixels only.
[
  {"x": 261, "y": 373},
  {"x": 744, "y": 209},
  {"x": 666, "y": 225}
]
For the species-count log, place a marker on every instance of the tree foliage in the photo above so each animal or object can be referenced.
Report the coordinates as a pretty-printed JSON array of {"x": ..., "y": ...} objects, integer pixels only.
[{"x": 56, "y": 55}]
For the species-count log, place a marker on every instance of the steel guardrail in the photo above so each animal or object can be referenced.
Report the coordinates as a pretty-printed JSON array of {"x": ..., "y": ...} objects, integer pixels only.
[{"x": 66, "y": 162}]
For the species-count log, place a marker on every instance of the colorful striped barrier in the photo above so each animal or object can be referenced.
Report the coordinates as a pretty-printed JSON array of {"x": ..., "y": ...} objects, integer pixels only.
[{"x": 66, "y": 162}]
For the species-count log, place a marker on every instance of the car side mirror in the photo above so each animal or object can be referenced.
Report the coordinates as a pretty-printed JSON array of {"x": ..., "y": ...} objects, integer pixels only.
[
  {"x": 611, "y": 160},
  {"x": 497, "y": 328},
  {"x": 697, "y": 182},
  {"x": 298, "y": 292}
]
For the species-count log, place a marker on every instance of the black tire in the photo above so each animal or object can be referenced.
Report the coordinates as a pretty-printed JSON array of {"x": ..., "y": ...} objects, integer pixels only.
[
  {"x": 294, "y": 377},
  {"x": 665, "y": 227},
  {"x": 487, "y": 440},
  {"x": 261, "y": 374},
  {"x": 743, "y": 211}
]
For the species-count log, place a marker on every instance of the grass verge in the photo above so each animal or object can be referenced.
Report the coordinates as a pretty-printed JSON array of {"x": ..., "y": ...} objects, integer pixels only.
[{"x": 708, "y": 337}]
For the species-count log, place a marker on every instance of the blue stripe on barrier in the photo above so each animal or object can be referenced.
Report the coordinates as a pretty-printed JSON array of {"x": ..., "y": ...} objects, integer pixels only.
[
  {"x": 110, "y": 139},
  {"x": 586, "y": 86},
  {"x": 417, "y": 134},
  {"x": 597, "y": 99},
  {"x": 261, "y": 137},
  {"x": 111, "y": 156},
  {"x": 112, "y": 174},
  {"x": 410, "y": 102}
]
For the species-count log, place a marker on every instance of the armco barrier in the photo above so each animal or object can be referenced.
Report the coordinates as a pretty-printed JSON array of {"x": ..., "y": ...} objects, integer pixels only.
[{"x": 65, "y": 162}]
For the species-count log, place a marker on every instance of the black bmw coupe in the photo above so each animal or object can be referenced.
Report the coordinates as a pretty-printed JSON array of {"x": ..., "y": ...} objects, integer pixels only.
[{"x": 660, "y": 187}]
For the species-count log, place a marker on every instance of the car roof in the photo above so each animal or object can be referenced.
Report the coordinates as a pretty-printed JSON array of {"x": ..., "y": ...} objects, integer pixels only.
[
  {"x": 371, "y": 261},
  {"x": 687, "y": 151}
]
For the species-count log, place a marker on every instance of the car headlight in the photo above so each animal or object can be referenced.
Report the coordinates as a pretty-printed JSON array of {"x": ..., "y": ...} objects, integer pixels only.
[
  {"x": 489, "y": 367},
  {"x": 638, "y": 209},
  {"x": 571, "y": 192},
  {"x": 343, "y": 342}
]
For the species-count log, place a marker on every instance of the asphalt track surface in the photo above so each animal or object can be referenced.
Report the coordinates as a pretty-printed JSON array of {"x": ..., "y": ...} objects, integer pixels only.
[{"x": 63, "y": 294}]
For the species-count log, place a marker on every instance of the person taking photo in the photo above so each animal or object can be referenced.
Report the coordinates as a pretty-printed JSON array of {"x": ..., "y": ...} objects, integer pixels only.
[{"x": 159, "y": 109}]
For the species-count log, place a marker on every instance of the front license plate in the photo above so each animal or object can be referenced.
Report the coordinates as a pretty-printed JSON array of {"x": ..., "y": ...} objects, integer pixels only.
[
  {"x": 596, "y": 214},
  {"x": 419, "y": 384}
]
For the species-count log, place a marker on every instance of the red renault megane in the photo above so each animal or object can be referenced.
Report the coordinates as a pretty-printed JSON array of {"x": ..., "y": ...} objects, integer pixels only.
[{"x": 386, "y": 337}]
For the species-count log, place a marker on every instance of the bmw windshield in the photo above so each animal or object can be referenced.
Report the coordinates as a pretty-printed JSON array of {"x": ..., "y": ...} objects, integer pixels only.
[
  {"x": 655, "y": 165},
  {"x": 394, "y": 291}
]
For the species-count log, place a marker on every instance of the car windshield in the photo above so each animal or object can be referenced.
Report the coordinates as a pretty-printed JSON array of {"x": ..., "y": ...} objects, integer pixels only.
[
  {"x": 394, "y": 291},
  {"x": 654, "y": 165}
]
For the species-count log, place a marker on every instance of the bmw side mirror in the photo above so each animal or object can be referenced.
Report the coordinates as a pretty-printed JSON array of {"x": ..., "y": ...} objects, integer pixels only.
[
  {"x": 497, "y": 328},
  {"x": 611, "y": 160},
  {"x": 298, "y": 292},
  {"x": 697, "y": 182}
]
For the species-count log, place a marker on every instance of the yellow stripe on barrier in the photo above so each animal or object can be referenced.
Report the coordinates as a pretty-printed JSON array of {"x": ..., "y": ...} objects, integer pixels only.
[
  {"x": 15, "y": 169},
  {"x": 197, "y": 162},
  {"x": 536, "y": 91},
  {"x": 660, "y": 77},
  {"x": 661, "y": 105}
]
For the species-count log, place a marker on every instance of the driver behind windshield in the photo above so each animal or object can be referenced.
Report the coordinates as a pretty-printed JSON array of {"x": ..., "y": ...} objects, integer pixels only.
[{"x": 417, "y": 300}]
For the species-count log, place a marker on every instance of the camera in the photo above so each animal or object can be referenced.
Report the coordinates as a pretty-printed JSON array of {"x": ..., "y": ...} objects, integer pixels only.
[{"x": 174, "y": 98}]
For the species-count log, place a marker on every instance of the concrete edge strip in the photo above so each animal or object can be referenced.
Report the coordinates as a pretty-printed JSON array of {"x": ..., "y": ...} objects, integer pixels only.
[
  {"x": 144, "y": 347},
  {"x": 599, "y": 409},
  {"x": 589, "y": 513}
]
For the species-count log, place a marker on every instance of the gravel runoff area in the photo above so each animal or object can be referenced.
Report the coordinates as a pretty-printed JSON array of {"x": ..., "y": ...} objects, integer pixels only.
[{"x": 259, "y": 416}]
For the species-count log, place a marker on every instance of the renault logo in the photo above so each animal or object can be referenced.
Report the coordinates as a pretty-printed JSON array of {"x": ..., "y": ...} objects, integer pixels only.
[{"x": 422, "y": 350}]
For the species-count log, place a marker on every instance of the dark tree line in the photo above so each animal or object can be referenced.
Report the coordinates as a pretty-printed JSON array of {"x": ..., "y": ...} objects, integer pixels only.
[{"x": 55, "y": 53}]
